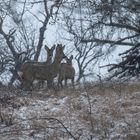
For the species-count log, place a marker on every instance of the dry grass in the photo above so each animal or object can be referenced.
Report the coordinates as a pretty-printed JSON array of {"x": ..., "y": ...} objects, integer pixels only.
[{"x": 88, "y": 111}]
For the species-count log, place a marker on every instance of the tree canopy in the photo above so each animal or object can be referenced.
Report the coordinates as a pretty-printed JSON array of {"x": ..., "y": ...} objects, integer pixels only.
[{"x": 93, "y": 29}]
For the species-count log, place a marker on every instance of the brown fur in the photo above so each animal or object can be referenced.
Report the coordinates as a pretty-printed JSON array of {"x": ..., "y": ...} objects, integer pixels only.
[
  {"x": 48, "y": 61},
  {"x": 66, "y": 72},
  {"x": 43, "y": 71}
]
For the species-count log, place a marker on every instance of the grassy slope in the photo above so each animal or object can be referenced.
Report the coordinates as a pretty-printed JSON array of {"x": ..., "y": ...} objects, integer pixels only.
[{"x": 110, "y": 111}]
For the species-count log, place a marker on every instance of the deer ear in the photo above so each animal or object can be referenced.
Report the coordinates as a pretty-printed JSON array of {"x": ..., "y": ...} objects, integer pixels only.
[
  {"x": 71, "y": 57},
  {"x": 63, "y": 47},
  {"x": 53, "y": 47},
  {"x": 46, "y": 48}
]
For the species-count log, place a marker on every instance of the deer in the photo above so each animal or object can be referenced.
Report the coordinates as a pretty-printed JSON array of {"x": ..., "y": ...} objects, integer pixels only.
[
  {"x": 48, "y": 61},
  {"x": 66, "y": 72},
  {"x": 42, "y": 71}
]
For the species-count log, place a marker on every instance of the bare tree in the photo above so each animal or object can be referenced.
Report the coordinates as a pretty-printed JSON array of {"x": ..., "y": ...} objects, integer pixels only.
[
  {"x": 21, "y": 36},
  {"x": 104, "y": 24},
  {"x": 75, "y": 23}
]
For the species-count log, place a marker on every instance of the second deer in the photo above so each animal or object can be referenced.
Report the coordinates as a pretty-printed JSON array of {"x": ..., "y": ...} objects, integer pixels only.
[
  {"x": 48, "y": 61},
  {"x": 66, "y": 72}
]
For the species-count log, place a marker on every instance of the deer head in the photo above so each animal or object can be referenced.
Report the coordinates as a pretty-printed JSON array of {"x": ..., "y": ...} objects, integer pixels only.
[
  {"x": 49, "y": 53},
  {"x": 69, "y": 60},
  {"x": 59, "y": 54}
]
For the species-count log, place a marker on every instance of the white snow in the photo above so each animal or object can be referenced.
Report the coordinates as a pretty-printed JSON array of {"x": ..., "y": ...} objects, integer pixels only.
[{"x": 108, "y": 113}]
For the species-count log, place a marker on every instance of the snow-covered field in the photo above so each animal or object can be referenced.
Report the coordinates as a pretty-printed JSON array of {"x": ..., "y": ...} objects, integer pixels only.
[{"x": 92, "y": 112}]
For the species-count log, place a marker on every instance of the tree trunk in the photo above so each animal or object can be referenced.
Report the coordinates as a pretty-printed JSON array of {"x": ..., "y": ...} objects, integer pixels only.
[{"x": 41, "y": 38}]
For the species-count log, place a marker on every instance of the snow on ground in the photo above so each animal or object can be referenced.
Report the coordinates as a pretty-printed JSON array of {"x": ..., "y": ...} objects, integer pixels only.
[{"x": 90, "y": 113}]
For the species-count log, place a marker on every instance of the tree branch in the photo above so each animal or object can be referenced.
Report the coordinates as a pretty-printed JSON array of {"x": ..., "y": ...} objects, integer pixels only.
[{"x": 106, "y": 42}]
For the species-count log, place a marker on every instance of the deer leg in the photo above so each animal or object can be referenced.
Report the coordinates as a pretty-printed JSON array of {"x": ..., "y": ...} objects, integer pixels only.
[
  {"x": 41, "y": 83},
  {"x": 27, "y": 85},
  {"x": 50, "y": 83},
  {"x": 58, "y": 82},
  {"x": 65, "y": 82},
  {"x": 72, "y": 81},
  {"x": 61, "y": 83}
]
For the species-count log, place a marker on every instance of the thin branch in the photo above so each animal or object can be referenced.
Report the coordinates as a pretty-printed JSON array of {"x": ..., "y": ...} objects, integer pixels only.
[
  {"x": 106, "y": 42},
  {"x": 44, "y": 118}
]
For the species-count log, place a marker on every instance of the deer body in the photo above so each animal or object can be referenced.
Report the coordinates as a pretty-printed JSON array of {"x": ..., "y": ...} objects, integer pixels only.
[
  {"x": 66, "y": 72},
  {"x": 29, "y": 64},
  {"x": 42, "y": 71}
]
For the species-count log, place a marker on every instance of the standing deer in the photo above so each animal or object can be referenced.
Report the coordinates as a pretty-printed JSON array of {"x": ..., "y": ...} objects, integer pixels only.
[
  {"x": 48, "y": 61},
  {"x": 66, "y": 72},
  {"x": 42, "y": 71}
]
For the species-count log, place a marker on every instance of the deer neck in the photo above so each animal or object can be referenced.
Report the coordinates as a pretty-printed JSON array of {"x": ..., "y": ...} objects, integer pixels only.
[
  {"x": 49, "y": 60},
  {"x": 57, "y": 62},
  {"x": 55, "y": 66}
]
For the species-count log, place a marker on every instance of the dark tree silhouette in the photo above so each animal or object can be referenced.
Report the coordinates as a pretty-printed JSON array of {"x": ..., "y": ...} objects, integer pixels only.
[
  {"x": 23, "y": 41},
  {"x": 129, "y": 66}
]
